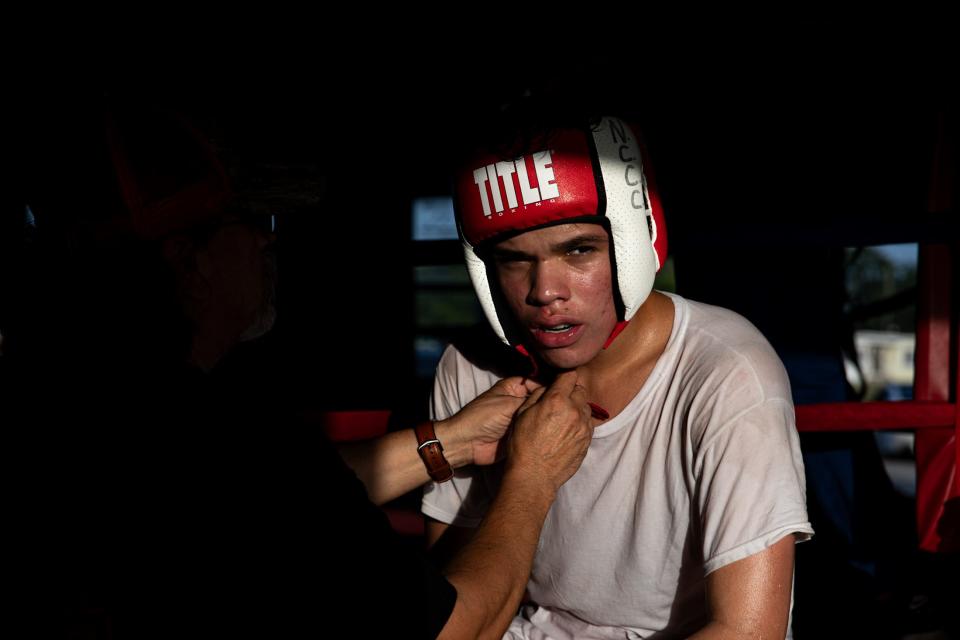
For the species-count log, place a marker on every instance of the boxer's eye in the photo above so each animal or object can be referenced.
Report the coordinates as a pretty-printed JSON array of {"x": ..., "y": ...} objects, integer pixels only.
[{"x": 581, "y": 250}]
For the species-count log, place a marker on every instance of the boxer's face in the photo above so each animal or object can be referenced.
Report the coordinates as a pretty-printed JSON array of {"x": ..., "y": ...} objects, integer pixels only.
[{"x": 558, "y": 284}]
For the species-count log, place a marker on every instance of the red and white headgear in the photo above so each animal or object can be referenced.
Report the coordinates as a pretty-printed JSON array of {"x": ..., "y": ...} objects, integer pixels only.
[{"x": 593, "y": 175}]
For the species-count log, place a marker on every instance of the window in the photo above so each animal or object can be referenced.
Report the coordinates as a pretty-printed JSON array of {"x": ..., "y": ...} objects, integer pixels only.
[
  {"x": 881, "y": 291},
  {"x": 445, "y": 304}
]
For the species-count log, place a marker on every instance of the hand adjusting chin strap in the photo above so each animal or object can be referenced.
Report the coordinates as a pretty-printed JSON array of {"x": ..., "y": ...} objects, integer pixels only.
[{"x": 596, "y": 410}]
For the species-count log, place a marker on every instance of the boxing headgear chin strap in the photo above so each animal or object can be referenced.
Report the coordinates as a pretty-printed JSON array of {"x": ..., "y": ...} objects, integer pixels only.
[
  {"x": 596, "y": 410},
  {"x": 593, "y": 175}
]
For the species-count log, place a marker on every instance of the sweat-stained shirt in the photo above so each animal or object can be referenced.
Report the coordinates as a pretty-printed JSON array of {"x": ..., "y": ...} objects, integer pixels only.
[{"x": 702, "y": 468}]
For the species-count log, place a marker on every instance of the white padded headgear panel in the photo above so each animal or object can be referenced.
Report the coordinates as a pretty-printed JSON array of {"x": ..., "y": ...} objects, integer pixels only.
[{"x": 628, "y": 210}]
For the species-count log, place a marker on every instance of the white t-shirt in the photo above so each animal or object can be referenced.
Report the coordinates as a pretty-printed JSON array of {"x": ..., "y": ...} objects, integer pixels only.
[{"x": 702, "y": 468}]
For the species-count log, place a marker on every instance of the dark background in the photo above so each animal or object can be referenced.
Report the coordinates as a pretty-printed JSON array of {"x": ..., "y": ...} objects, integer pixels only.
[
  {"x": 809, "y": 135},
  {"x": 773, "y": 143}
]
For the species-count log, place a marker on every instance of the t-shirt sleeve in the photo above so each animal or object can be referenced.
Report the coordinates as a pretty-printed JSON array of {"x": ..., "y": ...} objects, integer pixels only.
[
  {"x": 465, "y": 498},
  {"x": 750, "y": 489}
]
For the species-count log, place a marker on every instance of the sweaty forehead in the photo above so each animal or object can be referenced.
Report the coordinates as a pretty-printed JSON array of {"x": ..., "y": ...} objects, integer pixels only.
[{"x": 554, "y": 236}]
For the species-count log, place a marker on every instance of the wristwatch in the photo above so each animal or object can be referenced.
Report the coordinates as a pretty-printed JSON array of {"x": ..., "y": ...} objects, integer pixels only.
[{"x": 431, "y": 452}]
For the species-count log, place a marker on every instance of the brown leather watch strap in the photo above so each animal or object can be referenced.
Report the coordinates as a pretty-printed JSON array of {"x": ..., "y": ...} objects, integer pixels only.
[{"x": 431, "y": 451}]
